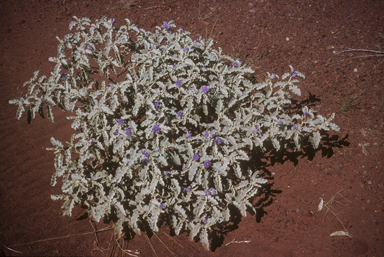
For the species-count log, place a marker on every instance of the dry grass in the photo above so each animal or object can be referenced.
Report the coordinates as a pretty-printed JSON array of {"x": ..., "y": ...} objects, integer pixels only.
[
  {"x": 207, "y": 15},
  {"x": 123, "y": 4},
  {"x": 348, "y": 103},
  {"x": 330, "y": 208}
]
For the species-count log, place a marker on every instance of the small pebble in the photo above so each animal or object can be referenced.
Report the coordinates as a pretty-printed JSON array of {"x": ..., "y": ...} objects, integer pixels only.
[
  {"x": 337, "y": 167},
  {"x": 369, "y": 182},
  {"x": 297, "y": 210}
]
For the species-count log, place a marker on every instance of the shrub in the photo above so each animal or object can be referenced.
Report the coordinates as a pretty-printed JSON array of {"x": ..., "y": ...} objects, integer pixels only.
[{"x": 165, "y": 125}]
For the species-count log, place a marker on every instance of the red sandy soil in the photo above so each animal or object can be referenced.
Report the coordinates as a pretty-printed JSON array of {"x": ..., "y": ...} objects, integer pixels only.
[{"x": 274, "y": 34}]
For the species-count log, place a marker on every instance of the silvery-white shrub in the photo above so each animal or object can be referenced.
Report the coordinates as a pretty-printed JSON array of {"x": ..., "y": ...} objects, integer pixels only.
[{"x": 164, "y": 124}]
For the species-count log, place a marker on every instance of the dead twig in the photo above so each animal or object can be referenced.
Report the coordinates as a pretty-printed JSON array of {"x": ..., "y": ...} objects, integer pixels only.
[
  {"x": 134, "y": 253},
  {"x": 150, "y": 244},
  {"x": 164, "y": 244},
  {"x": 153, "y": 7},
  {"x": 173, "y": 240},
  {"x": 97, "y": 239},
  {"x": 56, "y": 238},
  {"x": 12, "y": 250},
  {"x": 375, "y": 54},
  {"x": 359, "y": 50},
  {"x": 237, "y": 242}
]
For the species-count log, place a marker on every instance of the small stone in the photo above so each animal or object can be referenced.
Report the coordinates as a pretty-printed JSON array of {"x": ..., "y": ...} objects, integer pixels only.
[
  {"x": 369, "y": 182},
  {"x": 337, "y": 167},
  {"x": 297, "y": 210}
]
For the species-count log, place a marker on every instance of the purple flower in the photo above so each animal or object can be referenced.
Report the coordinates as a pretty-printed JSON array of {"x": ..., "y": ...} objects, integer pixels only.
[
  {"x": 121, "y": 121},
  {"x": 218, "y": 140},
  {"x": 162, "y": 206},
  {"x": 174, "y": 65},
  {"x": 185, "y": 49},
  {"x": 42, "y": 99},
  {"x": 181, "y": 29},
  {"x": 186, "y": 189},
  {"x": 128, "y": 132},
  {"x": 165, "y": 25},
  {"x": 91, "y": 141},
  {"x": 281, "y": 122},
  {"x": 258, "y": 130},
  {"x": 64, "y": 76},
  {"x": 235, "y": 64},
  {"x": 206, "y": 133},
  {"x": 119, "y": 138},
  {"x": 213, "y": 191},
  {"x": 157, "y": 105},
  {"x": 178, "y": 82},
  {"x": 306, "y": 113},
  {"x": 89, "y": 47},
  {"x": 110, "y": 86},
  {"x": 156, "y": 128},
  {"x": 166, "y": 173},
  {"x": 273, "y": 76},
  {"x": 293, "y": 74},
  {"x": 204, "y": 220},
  {"x": 145, "y": 159},
  {"x": 22, "y": 96},
  {"x": 196, "y": 157},
  {"x": 127, "y": 162},
  {"x": 189, "y": 135},
  {"x": 204, "y": 89},
  {"x": 294, "y": 127},
  {"x": 183, "y": 167},
  {"x": 197, "y": 39},
  {"x": 116, "y": 132},
  {"x": 206, "y": 192},
  {"x": 114, "y": 22},
  {"x": 192, "y": 90},
  {"x": 207, "y": 163},
  {"x": 145, "y": 153},
  {"x": 180, "y": 114}
]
